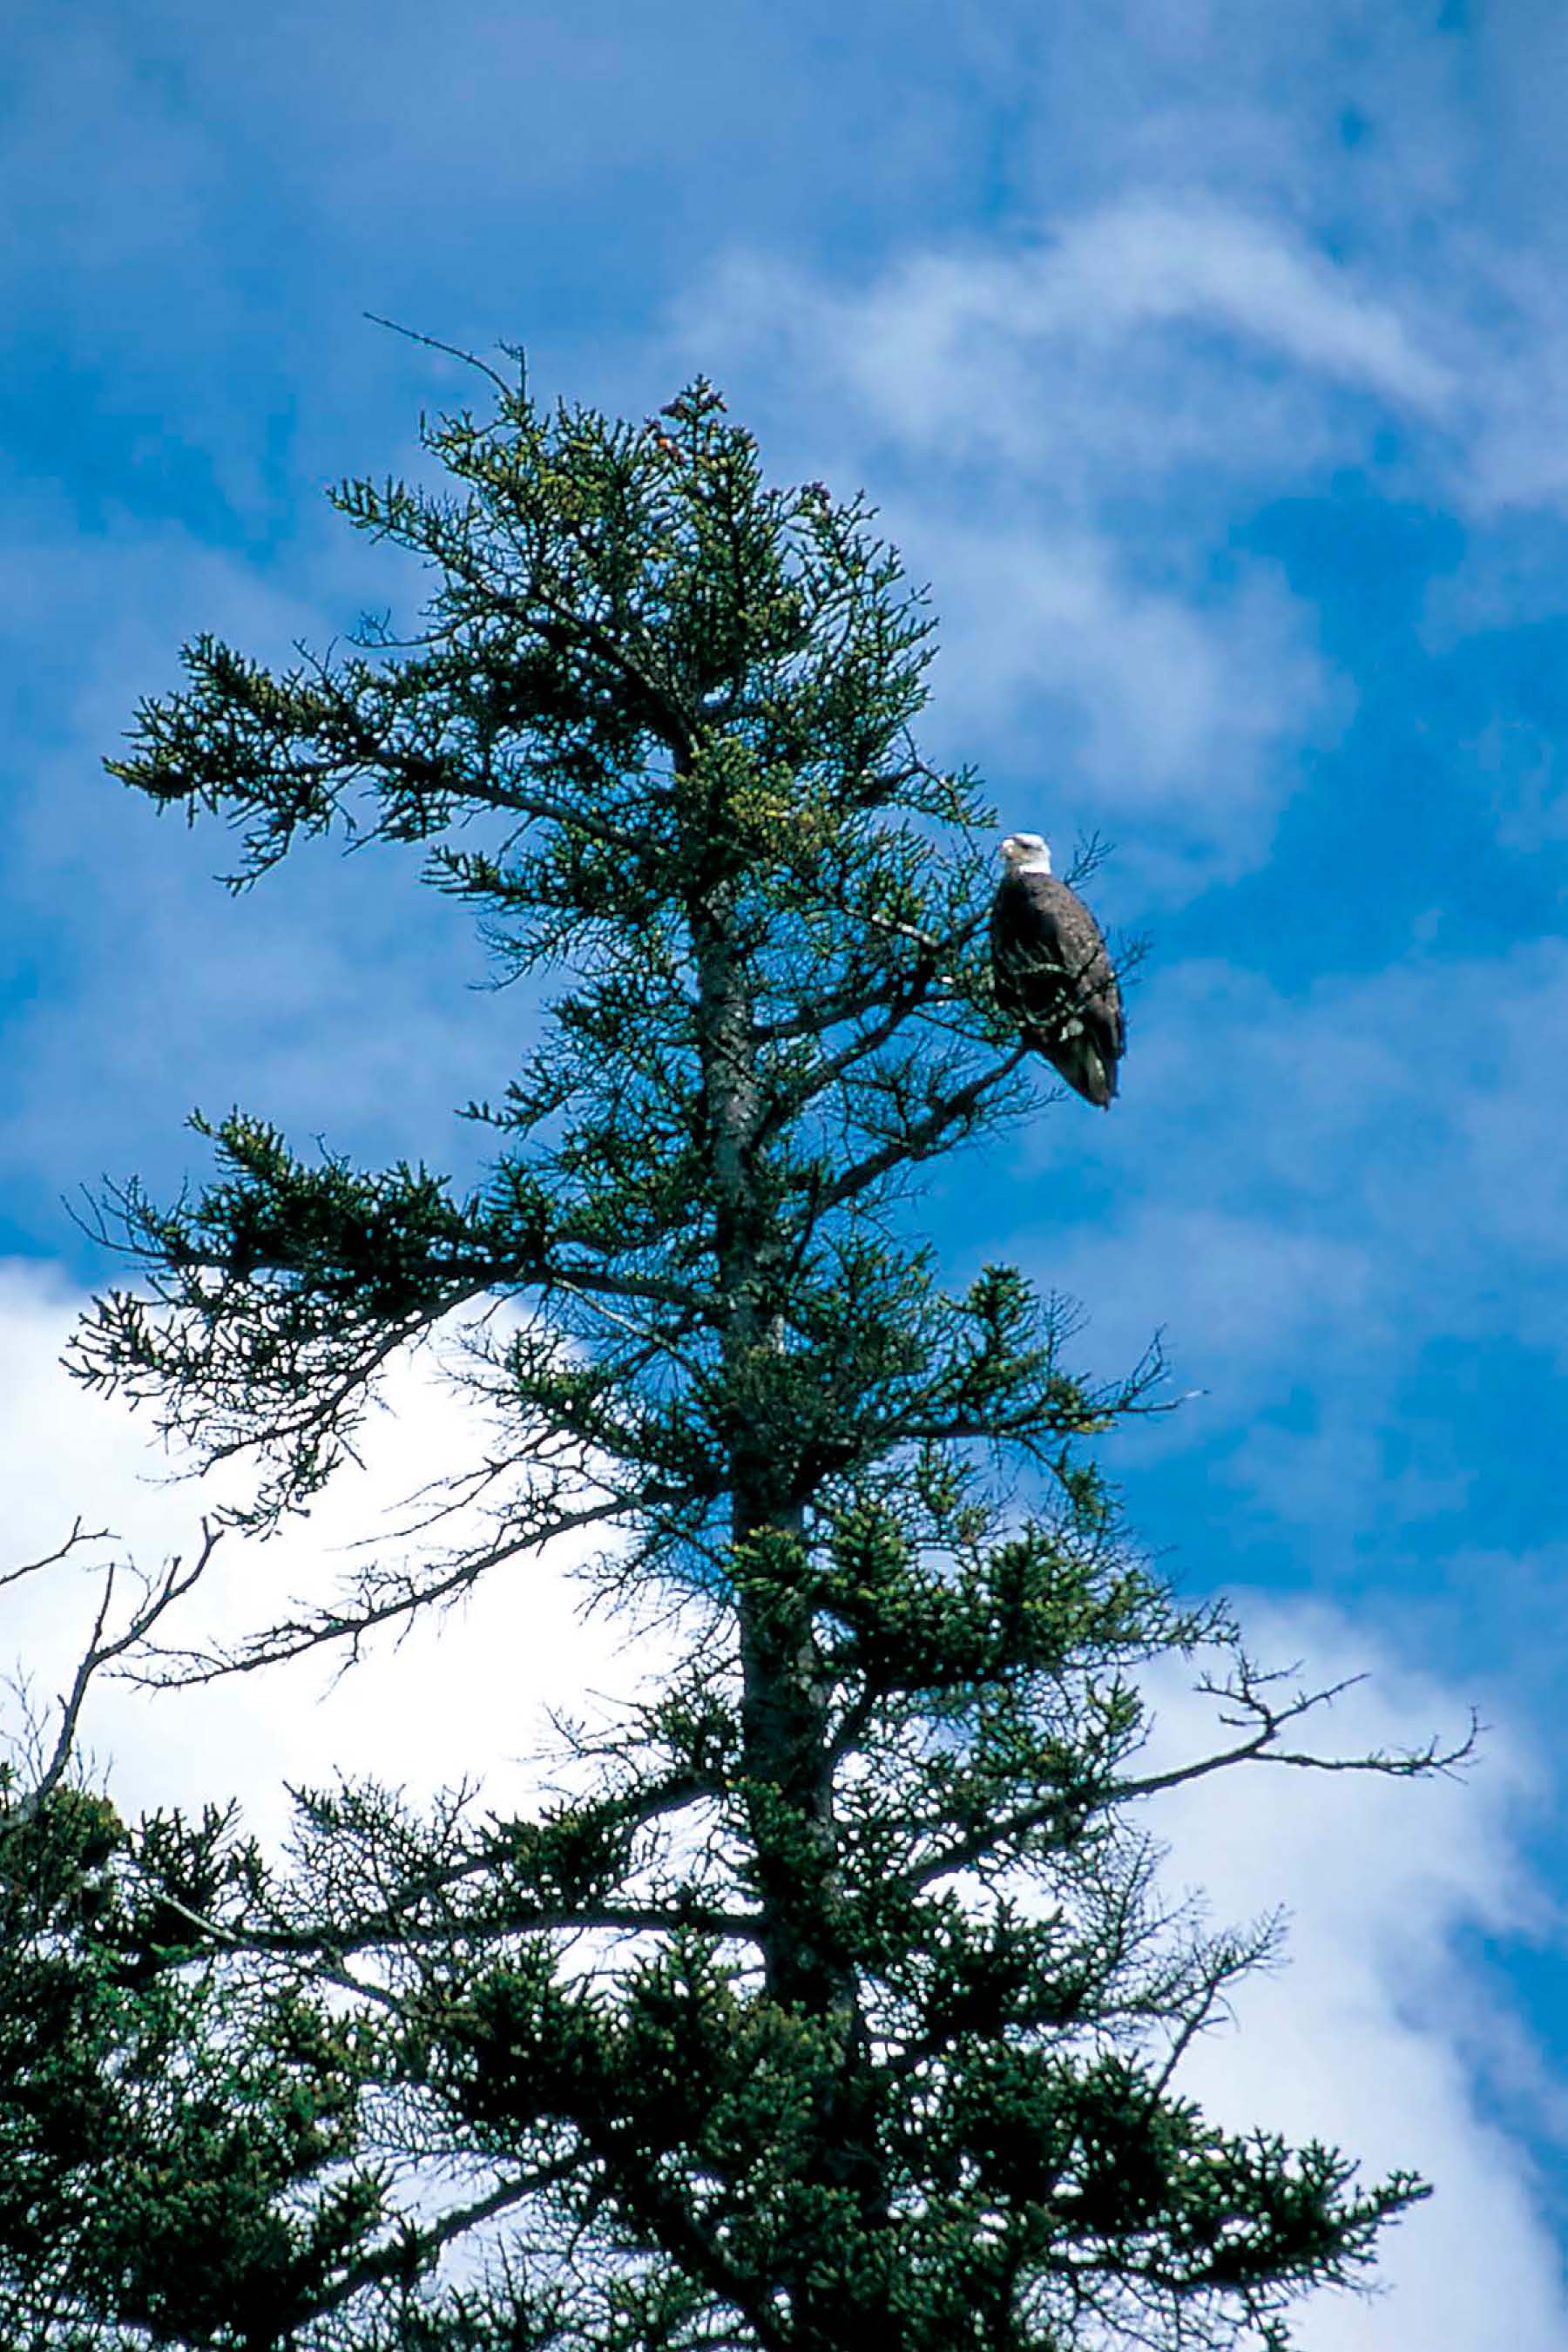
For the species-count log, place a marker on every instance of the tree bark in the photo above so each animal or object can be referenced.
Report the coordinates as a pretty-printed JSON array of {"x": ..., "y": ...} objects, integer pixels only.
[{"x": 787, "y": 1763}]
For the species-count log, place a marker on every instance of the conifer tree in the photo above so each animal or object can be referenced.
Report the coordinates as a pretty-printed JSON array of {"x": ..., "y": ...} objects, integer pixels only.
[{"x": 829, "y": 2004}]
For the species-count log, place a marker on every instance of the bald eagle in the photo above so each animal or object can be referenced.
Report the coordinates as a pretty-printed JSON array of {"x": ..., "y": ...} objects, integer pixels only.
[{"x": 1051, "y": 970}]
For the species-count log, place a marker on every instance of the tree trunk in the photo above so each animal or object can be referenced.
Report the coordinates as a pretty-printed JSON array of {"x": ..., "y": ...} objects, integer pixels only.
[{"x": 788, "y": 1768}]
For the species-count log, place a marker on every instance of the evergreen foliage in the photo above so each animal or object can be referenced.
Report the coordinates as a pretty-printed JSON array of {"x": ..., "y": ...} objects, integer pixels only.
[{"x": 829, "y": 2002}]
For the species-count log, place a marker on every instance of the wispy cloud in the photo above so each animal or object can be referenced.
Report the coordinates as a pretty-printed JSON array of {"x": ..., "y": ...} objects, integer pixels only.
[
  {"x": 1087, "y": 413},
  {"x": 1055, "y": 354},
  {"x": 1077, "y": 411},
  {"x": 1119, "y": 700}
]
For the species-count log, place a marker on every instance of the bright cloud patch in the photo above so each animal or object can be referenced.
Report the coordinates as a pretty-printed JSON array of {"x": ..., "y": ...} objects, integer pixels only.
[
  {"x": 463, "y": 1694},
  {"x": 1366, "y": 2038}
]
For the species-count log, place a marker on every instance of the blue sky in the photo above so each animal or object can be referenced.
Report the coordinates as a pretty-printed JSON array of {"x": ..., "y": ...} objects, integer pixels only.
[{"x": 1211, "y": 363}]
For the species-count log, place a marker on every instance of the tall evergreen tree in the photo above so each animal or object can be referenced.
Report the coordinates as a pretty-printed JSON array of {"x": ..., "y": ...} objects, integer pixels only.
[{"x": 831, "y": 2005}]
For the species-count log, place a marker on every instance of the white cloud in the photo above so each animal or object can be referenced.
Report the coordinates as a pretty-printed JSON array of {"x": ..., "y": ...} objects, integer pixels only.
[
  {"x": 1375, "y": 2035},
  {"x": 1163, "y": 261},
  {"x": 1147, "y": 354},
  {"x": 1142, "y": 333},
  {"x": 1085, "y": 417},
  {"x": 464, "y": 1692},
  {"x": 1127, "y": 694},
  {"x": 1378, "y": 2037}
]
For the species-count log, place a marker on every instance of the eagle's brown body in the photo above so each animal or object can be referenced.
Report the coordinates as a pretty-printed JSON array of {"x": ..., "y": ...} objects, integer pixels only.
[{"x": 1051, "y": 970}]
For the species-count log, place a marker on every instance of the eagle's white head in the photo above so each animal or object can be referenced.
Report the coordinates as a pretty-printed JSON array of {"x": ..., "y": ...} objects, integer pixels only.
[{"x": 1026, "y": 853}]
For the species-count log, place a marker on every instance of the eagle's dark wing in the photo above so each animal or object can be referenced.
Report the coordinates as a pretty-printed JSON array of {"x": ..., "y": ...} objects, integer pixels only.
[{"x": 1051, "y": 970}]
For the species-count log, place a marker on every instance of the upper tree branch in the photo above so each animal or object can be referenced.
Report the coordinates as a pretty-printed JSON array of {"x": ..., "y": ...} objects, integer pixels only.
[{"x": 920, "y": 1139}]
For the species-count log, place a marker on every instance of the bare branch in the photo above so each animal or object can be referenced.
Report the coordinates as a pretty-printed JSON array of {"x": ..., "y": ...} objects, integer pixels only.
[
  {"x": 921, "y": 1139},
  {"x": 78, "y": 1535},
  {"x": 1268, "y": 1721},
  {"x": 293, "y": 1637},
  {"x": 158, "y": 1596},
  {"x": 453, "y": 350}
]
